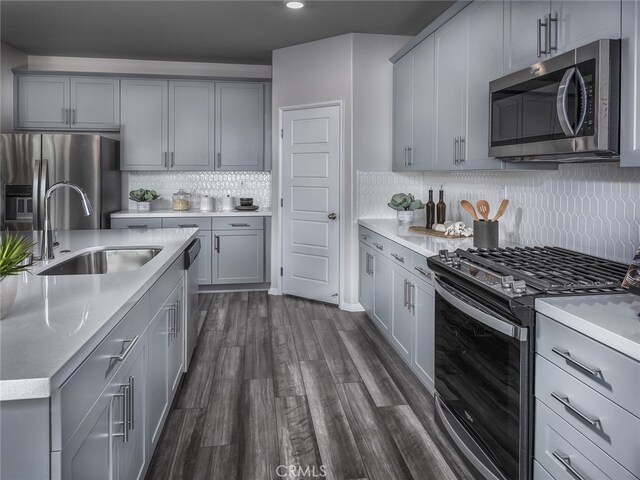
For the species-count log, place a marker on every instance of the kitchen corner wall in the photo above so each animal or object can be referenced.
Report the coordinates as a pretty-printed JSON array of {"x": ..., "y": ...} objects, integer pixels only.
[
  {"x": 215, "y": 184},
  {"x": 592, "y": 208}
]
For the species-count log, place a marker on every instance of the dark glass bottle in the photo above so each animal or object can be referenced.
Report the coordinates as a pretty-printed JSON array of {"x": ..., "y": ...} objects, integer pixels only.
[
  {"x": 430, "y": 210},
  {"x": 441, "y": 208}
]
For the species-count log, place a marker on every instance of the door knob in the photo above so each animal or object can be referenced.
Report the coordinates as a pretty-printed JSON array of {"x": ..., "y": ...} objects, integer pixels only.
[{"x": 332, "y": 216}]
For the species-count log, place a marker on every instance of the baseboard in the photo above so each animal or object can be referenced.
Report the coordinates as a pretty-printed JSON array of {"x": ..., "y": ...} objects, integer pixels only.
[
  {"x": 235, "y": 287},
  {"x": 274, "y": 291},
  {"x": 351, "y": 307}
]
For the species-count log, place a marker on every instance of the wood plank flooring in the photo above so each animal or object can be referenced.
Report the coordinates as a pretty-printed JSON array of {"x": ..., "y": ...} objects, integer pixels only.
[{"x": 282, "y": 387}]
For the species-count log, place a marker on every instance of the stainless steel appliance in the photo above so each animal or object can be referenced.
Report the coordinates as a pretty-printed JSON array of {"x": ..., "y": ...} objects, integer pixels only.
[
  {"x": 30, "y": 163},
  {"x": 563, "y": 109},
  {"x": 484, "y": 334},
  {"x": 193, "y": 320}
]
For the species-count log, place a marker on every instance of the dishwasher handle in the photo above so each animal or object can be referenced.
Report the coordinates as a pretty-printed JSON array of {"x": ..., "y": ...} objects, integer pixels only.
[{"x": 191, "y": 253}]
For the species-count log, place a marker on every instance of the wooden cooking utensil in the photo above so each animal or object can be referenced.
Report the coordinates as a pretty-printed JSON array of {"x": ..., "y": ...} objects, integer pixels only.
[
  {"x": 483, "y": 208},
  {"x": 501, "y": 209},
  {"x": 466, "y": 204}
]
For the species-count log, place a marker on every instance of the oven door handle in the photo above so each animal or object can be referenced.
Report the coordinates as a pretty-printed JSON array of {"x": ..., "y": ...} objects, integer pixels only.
[{"x": 468, "y": 306}]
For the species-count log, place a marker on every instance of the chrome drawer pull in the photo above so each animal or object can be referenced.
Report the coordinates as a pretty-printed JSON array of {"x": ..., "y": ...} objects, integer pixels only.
[
  {"x": 593, "y": 371},
  {"x": 136, "y": 226},
  {"x": 398, "y": 257},
  {"x": 423, "y": 272},
  {"x": 131, "y": 402},
  {"x": 378, "y": 246},
  {"x": 189, "y": 225},
  {"x": 564, "y": 400},
  {"x": 364, "y": 237},
  {"x": 123, "y": 355},
  {"x": 239, "y": 224},
  {"x": 565, "y": 460}
]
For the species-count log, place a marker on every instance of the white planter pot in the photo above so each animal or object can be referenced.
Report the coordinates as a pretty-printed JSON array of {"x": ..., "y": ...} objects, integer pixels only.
[
  {"x": 144, "y": 207},
  {"x": 8, "y": 290},
  {"x": 406, "y": 216}
]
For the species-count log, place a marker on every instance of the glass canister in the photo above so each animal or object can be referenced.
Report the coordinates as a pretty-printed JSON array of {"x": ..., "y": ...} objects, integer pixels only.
[{"x": 181, "y": 201}]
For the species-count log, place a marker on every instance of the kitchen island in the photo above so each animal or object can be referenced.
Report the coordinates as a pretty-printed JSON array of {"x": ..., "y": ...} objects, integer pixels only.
[{"x": 64, "y": 343}]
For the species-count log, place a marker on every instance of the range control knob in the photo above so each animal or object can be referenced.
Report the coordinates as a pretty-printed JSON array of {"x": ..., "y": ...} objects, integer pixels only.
[
  {"x": 455, "y": 261},
  {"x": 444, "y": 255},
  {"x": 507, "y": 282},
  {"x": 519, "y": 286}
]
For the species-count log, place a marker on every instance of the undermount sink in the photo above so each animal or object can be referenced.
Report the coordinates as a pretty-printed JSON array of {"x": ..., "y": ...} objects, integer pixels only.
[{"x": 103, "y": 261}]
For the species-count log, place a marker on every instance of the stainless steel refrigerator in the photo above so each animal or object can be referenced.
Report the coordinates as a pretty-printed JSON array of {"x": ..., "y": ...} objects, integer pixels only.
[{"x": 31, "y": 163}]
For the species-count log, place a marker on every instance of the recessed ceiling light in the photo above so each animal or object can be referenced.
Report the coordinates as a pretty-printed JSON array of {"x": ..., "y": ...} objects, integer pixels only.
[{"x": 295, "y": 5}]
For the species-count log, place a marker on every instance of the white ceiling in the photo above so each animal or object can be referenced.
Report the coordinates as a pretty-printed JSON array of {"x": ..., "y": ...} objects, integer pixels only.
[{"x": 210, "y": 31}]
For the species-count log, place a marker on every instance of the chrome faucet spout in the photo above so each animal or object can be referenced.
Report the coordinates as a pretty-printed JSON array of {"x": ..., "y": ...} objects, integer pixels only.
[{"x": 46, "y": 240}]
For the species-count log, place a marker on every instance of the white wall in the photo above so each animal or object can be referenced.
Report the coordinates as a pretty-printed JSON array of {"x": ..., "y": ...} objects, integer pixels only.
[
  {"x": 9, "y": 58},
  {"x": 353, "y": 69}
]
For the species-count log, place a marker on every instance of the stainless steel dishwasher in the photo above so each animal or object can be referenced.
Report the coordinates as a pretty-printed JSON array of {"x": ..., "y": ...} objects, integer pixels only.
[{"x": 193, "y": 321}]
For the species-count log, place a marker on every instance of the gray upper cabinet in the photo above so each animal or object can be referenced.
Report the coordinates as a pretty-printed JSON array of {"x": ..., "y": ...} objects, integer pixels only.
[
  {"x": 402, "y": 112},
  {"x": 145, "y": 119},
  {"x": 630, "y": 85},
  {"x": 521, "y": 32},
  {"x": 239, "y": 128},
  {"x": 191, "y": 125},
  {"x": 56, "y": 102}
]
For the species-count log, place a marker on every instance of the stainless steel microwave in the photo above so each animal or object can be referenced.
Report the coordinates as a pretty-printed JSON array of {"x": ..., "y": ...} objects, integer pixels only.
[{"x": 563, "y": 109}]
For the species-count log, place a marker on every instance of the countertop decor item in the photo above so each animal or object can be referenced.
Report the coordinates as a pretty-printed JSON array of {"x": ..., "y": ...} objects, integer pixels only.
[
  {"x": 468, "y": 206},
  {"x": 207, "y": 204},
  {"x": 246, "y": 202},
  {"x": 632, "y": 278},
  {"x": 501, "y": 209},
  {"x": 143, "y": 198},
  {"x": 434, "y": 233},
  {"x": 430, "y": 210},
  {"x": 483, "y": 208},
  {"x": 227, "y": 203},
  {"x": 487, "y": 234},
  {"x": 181, "y": 201},
  {"x": 247, "y": 208},
  {"x": 405, "y": 205},
  {"x": 441, "y": 207},
  {"x": 14, "y": 251}
]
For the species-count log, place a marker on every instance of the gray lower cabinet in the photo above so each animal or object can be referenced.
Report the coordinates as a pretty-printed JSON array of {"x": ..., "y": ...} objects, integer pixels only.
[
  {"x": 382, "y": 293},
  {"x": 366, "y": 278},
  {"x": 630, "y": 85},
  {"x": 205, "y": 259},
  {"x": 402, "y": 316},
  {"x": 423, "y": 359},
  {"x": 238, "y": 256}
]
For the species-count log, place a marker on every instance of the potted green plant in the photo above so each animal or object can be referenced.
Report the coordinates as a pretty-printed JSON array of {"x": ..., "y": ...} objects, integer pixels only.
[
  {"x": 143, "y": 198},
  {"x": 405, "y": 205},
  {"x": 14, "y": 250}
]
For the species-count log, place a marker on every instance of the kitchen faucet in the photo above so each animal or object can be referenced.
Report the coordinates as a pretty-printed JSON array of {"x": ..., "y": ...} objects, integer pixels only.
[{"x": 46, "y": 238}]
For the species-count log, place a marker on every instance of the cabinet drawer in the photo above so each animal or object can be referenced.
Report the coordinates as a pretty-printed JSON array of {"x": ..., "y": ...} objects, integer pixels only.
[
  {"x": 165, "y": 284},
  {"x": 365, "y": 235},
  {"x": 137, "y": 222},
  {"x": 401, "y": 256},
  {"x": 203, "y": 223},
  {"x": 614, "y": 375},
  {"x": 604, "y": 423},
  {"x": 421, "y": 269},
  {"x": 380, "y": 244},
  {"x": 75, "y": 397},
  {"x": 556, "y": 442},
  {"x": 238, "y": 223}
]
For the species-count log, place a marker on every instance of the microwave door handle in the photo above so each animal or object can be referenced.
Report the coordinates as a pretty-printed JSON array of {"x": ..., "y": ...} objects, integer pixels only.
[
  {"x": 583, "y": 95},
  {"x": 466, "y": 305},
  {"x": 562, "y": 102}
]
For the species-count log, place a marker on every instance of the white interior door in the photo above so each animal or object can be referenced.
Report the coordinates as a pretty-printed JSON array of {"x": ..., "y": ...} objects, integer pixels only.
[{"x": 311, "y": 201}]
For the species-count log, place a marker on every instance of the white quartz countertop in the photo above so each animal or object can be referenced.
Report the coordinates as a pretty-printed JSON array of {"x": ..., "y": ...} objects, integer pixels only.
[
  {"x": 423, "y": 244},
  {"x": 189, "y": 213},
  {"x": 57, "y": 321},
  {"x": 610, "y": 319}
]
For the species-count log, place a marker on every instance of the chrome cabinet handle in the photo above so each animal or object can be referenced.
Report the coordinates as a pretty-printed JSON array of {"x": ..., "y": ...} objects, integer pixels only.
[
  {"x": 131, "y": 402},
  {"x": 75, "y": 116},
  {"x": 550, "y": 48},
  {"x": 423, "y": 272},
  {"x": 455, "y": 150},
  {"x": 172, "y": 330},
  {"x": 173, "y": 159},
  {"x": 544, "y": 23},
  {"x": 367, "y": 267},
  {"x": 179, "y": 317},
  {"x": 125, "y": 413},
  {"x": 463, "y": 144},
  {"x": 412, "y": 296},
  {"x": 593, "y": 371},
  {"x": 398, "y": 257},
  {"x": 64, "y": 115},
  {"x": 565, "y": 460},
  {"x": 564, "y": 400},
  {"x": 404, "y": 157},
  {"x": 539, "y": 39},
  {"x": 378, "y": 246},
  {"x": 406, "y": 302},
  {"x": 123, "y": 355},
  {"x": 219, "y": 159},
  {"x": 188, "y": 225},
  {"x": 364, "y": 237},
  {"x": 409, "y": 156},
  {"x": 137, "y": 226},
  {"x": 239, "y": 224},
  {"x": 164, "y": 159},
  {"x": 217, "y": 243}
]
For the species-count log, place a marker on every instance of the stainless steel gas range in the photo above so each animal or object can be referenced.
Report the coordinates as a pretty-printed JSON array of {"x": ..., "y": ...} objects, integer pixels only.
[{"x": 484, "y": 337}]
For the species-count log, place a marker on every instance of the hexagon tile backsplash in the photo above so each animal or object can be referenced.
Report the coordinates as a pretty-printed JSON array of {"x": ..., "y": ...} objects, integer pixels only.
[
  {"x": 592, "y": 208},
  {"x": 237, "y": 184}
]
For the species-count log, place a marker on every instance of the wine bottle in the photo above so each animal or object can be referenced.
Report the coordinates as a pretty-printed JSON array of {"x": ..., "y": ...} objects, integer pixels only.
[
  {"x": 441, "y": 208},
  {"x": 430, "y": 210}
]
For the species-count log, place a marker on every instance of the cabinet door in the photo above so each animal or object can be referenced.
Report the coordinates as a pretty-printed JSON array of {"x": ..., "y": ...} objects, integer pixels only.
[
  {"x": 191, "y": 119},
  {"x": 144, "y": 108},
  {"x": 176, "y": 339},
  {"x": 43, "y": 102},
  {"x": 450, "y": 45},
  {"x": 584, "y": 21},
  {"x": 95, "y": 103},
  {"x": 239, "y": 126},
  {"x": 366, "y": 278},
  {"x": 521, "y": 32},
  {"x": 402, "y": 318},
  {"x": 402, "y": 112},
  {"x": 483, "y": 24},
  {"x": 204, "y": 258},
  {"x": 157, "y": 381},
  {"x": 423, "y": 361},
  {"x": 630, "y": 85},
  {"x": 423, "y": 151},
  {"x": 382, "y": 294},
  {"x": 238, "y": 256}
]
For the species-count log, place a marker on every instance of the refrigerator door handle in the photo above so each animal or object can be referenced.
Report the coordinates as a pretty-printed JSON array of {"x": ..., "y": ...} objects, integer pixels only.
[{"x": 35, "y": 194}]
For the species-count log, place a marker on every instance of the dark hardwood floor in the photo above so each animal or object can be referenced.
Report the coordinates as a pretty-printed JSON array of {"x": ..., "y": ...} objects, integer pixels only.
[{"x": 280, "y": 381}]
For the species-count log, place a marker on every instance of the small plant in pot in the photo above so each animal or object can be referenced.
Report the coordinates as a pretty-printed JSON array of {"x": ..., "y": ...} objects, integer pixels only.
[
  {"x": 405, "y": 205},
  {"x": 143, "y": 198},
  {"x": 14, "y": 250}
]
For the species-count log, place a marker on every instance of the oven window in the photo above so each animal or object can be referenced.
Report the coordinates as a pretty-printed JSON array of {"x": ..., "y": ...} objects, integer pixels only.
[{"x": 477, "y": 372}]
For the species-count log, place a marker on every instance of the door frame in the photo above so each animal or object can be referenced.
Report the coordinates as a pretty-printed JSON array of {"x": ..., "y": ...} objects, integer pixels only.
[{"x": 341, "y": 224}]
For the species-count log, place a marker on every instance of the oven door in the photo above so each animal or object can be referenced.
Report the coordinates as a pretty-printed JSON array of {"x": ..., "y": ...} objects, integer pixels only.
[{"x": 481, "y": 376}]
